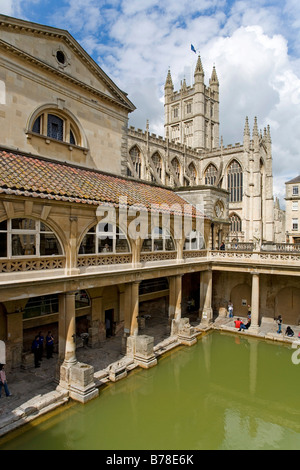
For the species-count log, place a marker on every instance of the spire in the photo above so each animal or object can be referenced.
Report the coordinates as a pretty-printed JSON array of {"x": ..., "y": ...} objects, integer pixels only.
[
  {"x": 255, "y": 128},
  {"x": 183, "y": 85},
  {"x": 199, "y": 72},
  {"x": 246, "y": 135},
  {"x": 246, "y": 129},
  {"x": 214, "y": 78},
  {"x": 269, "y": 134},
  {"x": 169, "y": 84}
]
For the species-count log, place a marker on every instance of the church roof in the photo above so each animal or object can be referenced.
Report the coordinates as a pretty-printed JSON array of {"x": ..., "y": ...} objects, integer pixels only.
[
  {"x": 33, "y": 176},
  {"x": 294, "y": 180}
]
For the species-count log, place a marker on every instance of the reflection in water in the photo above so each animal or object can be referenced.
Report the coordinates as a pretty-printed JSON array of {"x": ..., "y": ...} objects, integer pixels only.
[{"x": 218, "y": 394}]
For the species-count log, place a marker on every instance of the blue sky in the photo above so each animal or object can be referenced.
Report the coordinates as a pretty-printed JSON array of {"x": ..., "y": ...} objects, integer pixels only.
[{"x": 254, "y": 45}]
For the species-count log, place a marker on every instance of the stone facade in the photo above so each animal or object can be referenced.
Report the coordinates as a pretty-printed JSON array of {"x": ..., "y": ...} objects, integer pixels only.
[
  {"x": 293, "y": 210},
  {"x": 191, "y": 155}
]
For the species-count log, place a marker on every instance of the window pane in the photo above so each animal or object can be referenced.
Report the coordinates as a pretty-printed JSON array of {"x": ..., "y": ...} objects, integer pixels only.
[
  {"x": 55, "y": 127},
  {"x": 3, "y": 225},
  {"x": 3, "y": 245},
  {"x": 23, "y": 245},
  {"x": 88, "y": 245},
  {"x": 170, "y": 244},
  {"x": 49, "y": 245},
  {"x": 105, "y": 245},
  {"x": 23, "y": 224},
  {"x": 147, "y": 245},
  {"x": 37, "y": 125},
  {"x": 122, "y": 245}
]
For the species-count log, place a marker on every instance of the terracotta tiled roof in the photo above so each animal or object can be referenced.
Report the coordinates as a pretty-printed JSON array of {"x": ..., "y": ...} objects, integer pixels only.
[{"x": 41, "y": 178}]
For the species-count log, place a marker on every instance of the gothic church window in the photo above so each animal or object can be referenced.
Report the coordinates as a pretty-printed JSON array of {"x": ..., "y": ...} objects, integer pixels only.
[
  {"x": 193, "y": 174},
  {"x": 176, "y": 167},
  {"x": 157, "y": 162},
  {"x": 136, "y": 160},
  {"x": 235, "y": 223},
  {"x": 211, "y": 175},
  {"x": 235, "y": 182}
]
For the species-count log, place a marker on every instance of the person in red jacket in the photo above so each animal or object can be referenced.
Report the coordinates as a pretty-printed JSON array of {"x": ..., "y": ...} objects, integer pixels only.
[{"x": 238, "y": 323}]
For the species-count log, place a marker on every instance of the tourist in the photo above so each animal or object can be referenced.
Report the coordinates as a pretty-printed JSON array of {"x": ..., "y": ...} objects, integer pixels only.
[
  {"x": 289, "y": 331},
  {"x": 279, "y": 323},
  {"x": 49, "y": 345},
  {"x": 222, "y": 247},
  {"x": 35, "y": 348},
  {"x": 249, "y": 311},
  {"x": 3, "y": 382},
  {"x": 245, "y": 327},
  {"x": 238, "y": 323},
  {"x": 41, "y": 343},
  {"x": 230, "y": 309}
]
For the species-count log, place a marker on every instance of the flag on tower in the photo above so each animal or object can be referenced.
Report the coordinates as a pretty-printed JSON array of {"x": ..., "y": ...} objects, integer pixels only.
[{"x": 193, "y": 49}]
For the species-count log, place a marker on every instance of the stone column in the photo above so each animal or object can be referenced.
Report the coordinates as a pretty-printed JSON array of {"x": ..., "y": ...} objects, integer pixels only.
[
  {"x": 206, "y": 288},
  {"x": 177, "y": 298},
  {"x": 255, "y": 302},
  {"x": 172, "y": 285},
  {"x": 67, "y": 326},
  {"x": 134, "y": 329},
  {"x": 76, "y": 377},
  {"x": 132, "y": 319}
]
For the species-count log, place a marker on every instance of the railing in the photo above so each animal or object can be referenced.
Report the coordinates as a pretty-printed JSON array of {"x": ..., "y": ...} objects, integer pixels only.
[
  {"x": 32, "y": 264},
  {"x": 259, "y": 257},
  {"x": 158, "y": 256},
  {"x": 194, "y": 254},
  {"x": 104, "y": 260}
]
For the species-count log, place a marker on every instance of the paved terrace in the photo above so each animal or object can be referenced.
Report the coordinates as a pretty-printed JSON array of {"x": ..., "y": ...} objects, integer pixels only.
[{"x": 34, "y": 391}]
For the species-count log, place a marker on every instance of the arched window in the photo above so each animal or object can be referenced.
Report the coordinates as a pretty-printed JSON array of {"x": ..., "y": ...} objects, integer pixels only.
[
  {"x": 136, "y": 160},
  {"x": 27, "y": 237},
  {"x": 160, "y": 240},
  {"x": 57, "y": 126},
  {"x": 157, "y": 162},
  {"x": 176, "y": 167},
  {"x": 104, "y": 238},
  {"x": 235, "y": 182},
  {"x": 235, "y": 223},
  {"x": 211, "y": 175},
  {"x": 193, "y": 173},
  {"x": 194, "y": 241}
]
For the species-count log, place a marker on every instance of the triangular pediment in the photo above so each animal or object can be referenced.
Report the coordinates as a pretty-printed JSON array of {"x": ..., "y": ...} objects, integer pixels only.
[{"x": 58, "y": 51}]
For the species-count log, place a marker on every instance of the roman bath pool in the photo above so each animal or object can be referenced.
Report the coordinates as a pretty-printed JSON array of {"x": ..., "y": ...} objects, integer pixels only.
[{"x": 227, "y": 391}]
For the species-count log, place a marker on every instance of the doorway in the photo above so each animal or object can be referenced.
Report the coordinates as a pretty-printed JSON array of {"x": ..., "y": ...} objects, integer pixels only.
[{"x": 109, "y": 322}]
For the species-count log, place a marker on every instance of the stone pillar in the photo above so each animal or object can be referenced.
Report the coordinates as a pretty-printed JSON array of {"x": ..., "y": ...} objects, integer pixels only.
[
  {"x": 132, "y": 318},
  {"x": 255, "y": 303},
  {"x": 177, "y": 304},
  {"x": 127, "y": 316},
  {"x": 206, "y": 288},
  {"x": 134, "y": 329},
  {"x": 14, "y": 345},
  {"x": 70, "y": 329},
  {"x": 75, "y": 377},
  {"x": 172, "y": 289}
]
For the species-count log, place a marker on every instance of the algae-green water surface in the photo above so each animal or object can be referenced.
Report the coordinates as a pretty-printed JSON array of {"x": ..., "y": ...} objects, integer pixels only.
[{"x": 225, "y": 392}]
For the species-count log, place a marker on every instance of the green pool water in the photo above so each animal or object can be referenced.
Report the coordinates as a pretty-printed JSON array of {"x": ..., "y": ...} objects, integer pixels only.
[{"x": 225, "y": 392}]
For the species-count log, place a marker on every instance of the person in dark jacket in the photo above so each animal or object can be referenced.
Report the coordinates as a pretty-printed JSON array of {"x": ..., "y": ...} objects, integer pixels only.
[
  {"x": 35, "y": 348},
  {"x": 49, "y": 345}
]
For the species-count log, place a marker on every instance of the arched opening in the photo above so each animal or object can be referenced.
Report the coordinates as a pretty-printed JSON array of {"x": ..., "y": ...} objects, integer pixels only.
[
  {"x": 136, "y": 161},
  {"x": 235, "y": 182},
  {"x": 210, "y": 175},
  {"x": 27, "y": 237},
  {"x": 193, "y": 174},
  {"x": 57, "y": 125},
  {"x": 160, "y": 240},
  {"x": 104, "y": 238},
  {"x": 157, "y": 162}
]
